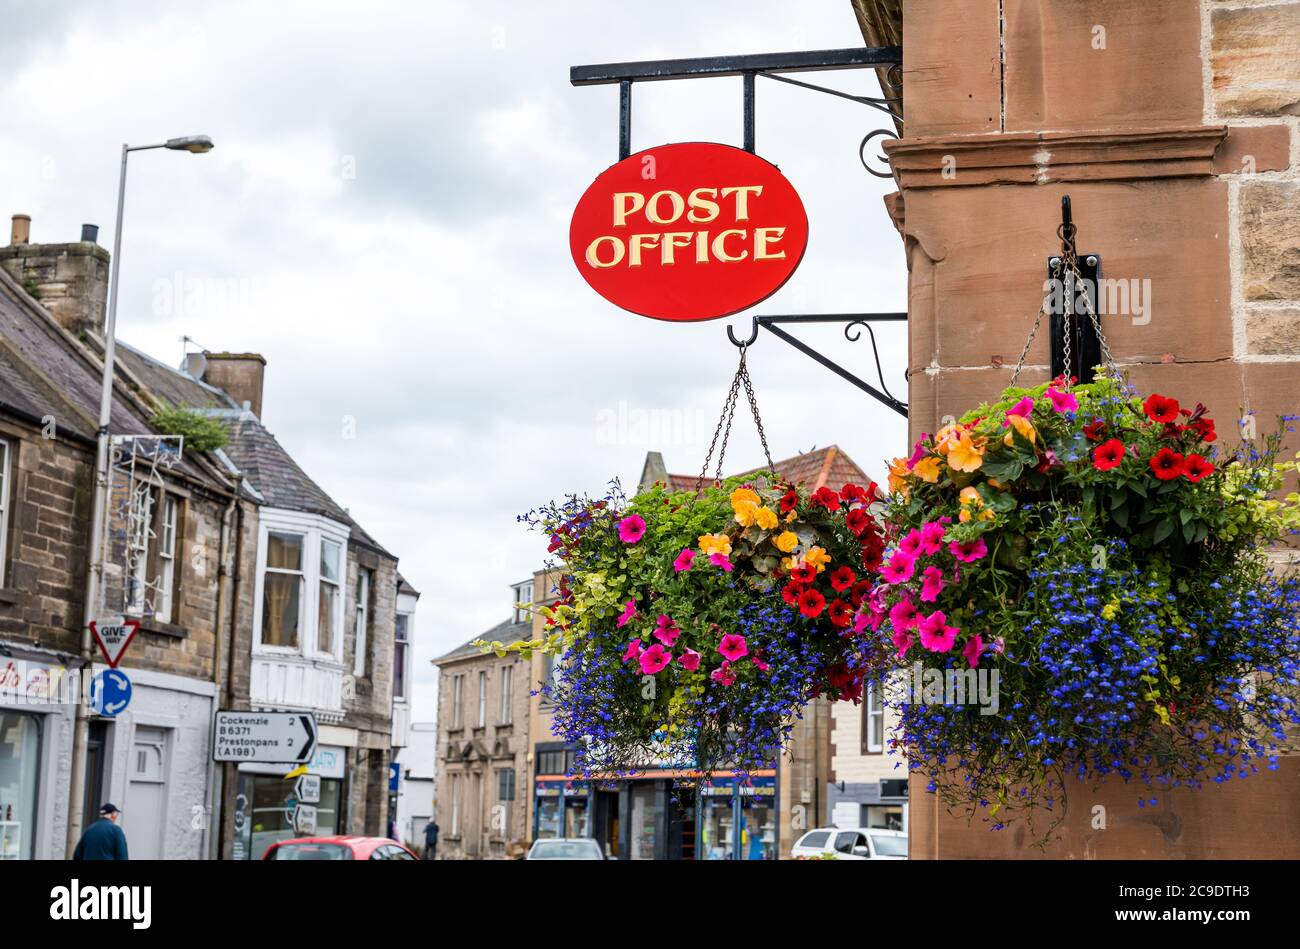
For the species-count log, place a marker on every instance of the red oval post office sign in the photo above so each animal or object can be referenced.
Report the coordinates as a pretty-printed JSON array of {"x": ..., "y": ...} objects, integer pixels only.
[{"x": 692, "y": 231}]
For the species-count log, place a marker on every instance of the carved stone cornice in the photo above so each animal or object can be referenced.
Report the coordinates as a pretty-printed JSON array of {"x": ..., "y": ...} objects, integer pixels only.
[{"x": 1043, "y": 157}]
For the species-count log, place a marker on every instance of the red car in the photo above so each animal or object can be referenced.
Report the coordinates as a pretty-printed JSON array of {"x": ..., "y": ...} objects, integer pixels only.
[{"x": 338, "y": 848}]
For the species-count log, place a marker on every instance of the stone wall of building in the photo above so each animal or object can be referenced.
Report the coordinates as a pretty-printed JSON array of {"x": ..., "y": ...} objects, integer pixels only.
[{"x": 1172, "y": 125}]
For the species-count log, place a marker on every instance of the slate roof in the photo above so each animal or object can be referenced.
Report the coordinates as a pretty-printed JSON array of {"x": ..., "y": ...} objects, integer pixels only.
[
  {"x": 174, "y": 385},
  {"x": 506, "y": 632},
  {"x": 47, "y": 371}
]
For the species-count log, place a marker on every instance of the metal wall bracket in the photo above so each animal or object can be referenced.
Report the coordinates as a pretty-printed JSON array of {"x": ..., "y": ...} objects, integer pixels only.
[
  {"x": 770, "y": 65},
  {"x": 854, "y": 323},
  {"x": 1066, "y": 296}
]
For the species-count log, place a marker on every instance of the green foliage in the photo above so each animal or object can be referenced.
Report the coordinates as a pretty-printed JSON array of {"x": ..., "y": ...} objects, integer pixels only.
[{"x": 201, "y": 432}]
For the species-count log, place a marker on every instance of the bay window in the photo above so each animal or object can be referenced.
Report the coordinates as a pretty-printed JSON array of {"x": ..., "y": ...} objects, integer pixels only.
[
  {"x": 282, "y": 585},
  {"x": 302, "y": 560},
  {"x": 326, "y": 634}
]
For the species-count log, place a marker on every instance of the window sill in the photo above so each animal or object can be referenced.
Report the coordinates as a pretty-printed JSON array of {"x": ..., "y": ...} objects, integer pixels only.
[
  {"x": 159, "y": 628},
  {"x": 12, "y": 597}
]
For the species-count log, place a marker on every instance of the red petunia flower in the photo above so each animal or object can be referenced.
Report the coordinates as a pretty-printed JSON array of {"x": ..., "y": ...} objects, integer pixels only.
[
  {"x": 858, "y": 521},
  {"x": 1204, "y": 428},
  {"x": 827, "y": 498},
  {"x": 811, "y": 603},
  {"x": 1195, "y": 467},
  {"x": 1161, "y": 409},
  {"x": 842, "y": 578},
  {"x": 804, "y": 573},
  {"x": 1108, "y": 455},
  {"x": 840, "y": 613},
  {"x": 1094, "y": 430},
  {"x": 1167, "y": 464},
  {"x": 789, "y": 500},
  {"x": 851, "y": 493},
  {"x": 791, "y": 593},
  {"x": 861, "y": 590},
  {"x": 873, "y": 555}
]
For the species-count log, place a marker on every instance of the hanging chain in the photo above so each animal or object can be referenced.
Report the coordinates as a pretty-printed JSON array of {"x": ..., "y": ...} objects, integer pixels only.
[
  {"x": 723, "y": 429},
  {"x": 1067, "y": 268}
]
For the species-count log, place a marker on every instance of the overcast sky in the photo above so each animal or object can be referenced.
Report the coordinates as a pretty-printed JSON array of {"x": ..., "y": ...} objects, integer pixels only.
[{"x": 385, "y": 219}]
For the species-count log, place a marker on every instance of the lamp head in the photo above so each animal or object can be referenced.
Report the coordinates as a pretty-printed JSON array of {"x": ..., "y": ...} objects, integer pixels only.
[{"x": 195, "y": 144}]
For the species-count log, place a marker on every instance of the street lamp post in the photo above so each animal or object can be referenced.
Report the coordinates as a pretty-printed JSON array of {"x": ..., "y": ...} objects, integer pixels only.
[{"x": 195, "y": 144}]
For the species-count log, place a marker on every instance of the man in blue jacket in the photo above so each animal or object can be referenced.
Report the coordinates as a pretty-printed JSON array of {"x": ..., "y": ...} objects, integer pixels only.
[{"x": 102, "y": 840}]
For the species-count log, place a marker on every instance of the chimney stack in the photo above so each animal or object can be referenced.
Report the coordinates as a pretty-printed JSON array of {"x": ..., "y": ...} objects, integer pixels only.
[
  {"x": 21, "y": 231},
  {"x": 240, "y": 375},
  {"x": 69, "y": 280}
]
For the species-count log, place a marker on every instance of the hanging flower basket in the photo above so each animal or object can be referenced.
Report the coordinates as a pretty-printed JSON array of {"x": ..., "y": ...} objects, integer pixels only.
[
  {"x": 1093, "y": 570},
  {"x": 692, "y": 629}
]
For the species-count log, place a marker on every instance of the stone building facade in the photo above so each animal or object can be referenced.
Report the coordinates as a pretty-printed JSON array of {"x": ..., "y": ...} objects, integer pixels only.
[
  {"x": 252, "y": 587},
  {"x": 1172, "y": 126},
  {"x": 483, "y": 751}
]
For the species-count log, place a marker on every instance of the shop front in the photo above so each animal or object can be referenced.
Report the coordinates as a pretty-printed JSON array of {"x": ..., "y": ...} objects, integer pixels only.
[
  {"x": 264, "y": 803},
  {"x": 738, "y": 817},
  {"x": 35, "y": 731}
]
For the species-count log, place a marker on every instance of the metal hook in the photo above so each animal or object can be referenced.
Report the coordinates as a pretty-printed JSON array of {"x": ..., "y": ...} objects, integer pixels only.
[{"x": 753, "y": 334}]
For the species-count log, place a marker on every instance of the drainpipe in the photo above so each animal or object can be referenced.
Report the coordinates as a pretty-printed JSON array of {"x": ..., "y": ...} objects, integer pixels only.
[
  {"x": 228, "y": 772},
  {"x": 216, "y": 786}
]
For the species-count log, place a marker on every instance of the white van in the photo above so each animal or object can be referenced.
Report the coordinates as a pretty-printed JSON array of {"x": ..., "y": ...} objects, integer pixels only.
[{"x": 852, "y": 843}]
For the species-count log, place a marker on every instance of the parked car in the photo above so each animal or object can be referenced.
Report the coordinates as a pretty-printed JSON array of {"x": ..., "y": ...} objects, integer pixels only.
[
  {"x": 851, "y": 843},
  {"x": 338, "y": 848},
  {"x": 565, "y": 848}
]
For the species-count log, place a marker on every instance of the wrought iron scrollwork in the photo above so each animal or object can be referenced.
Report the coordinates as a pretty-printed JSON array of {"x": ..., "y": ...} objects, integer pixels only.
[{"x": 884, "y": 159}]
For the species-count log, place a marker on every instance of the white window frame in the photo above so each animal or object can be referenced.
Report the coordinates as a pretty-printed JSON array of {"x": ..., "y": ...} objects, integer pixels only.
[
  {"x": 6, "y": 454},
  {"x": 314, "y": 529},
  {"x": 340, "y": 574},
  {"x": 363, "y": 621},
  {"x": 523, "y": 593},
  {"x": 139, "y": 536},
  {"x": 457, "y": 701},
  {"x": 482, "y": 698},
  {"x": 171, "y": 513},
  {"x": 873, "y": 710},
  {"x": 455, "y": 805},
  {"x": 402, "y": 645},
  {"x": 507, "y": 709}
]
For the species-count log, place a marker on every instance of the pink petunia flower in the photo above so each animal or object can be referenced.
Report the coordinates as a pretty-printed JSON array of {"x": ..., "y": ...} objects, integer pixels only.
[
  {"x": 628, "y": 614},
  {"x": 689, "y": 660},
  {"x": 1063, "y": 401},
  {"x": 758, "y": 662},
  {"x": 723, "y": 674},
  {"x": 918, "y": 451},
  {"x": 903, "y": 615},
  {"x": 932, "y": 537},
  {"x": 999, "y": 645},
  {"x": 1022, "y": 408},
  {"x": 932, "y": 583},
  {"x": 974, "y": 646},
  {"x": 911, "y": 544},
  {"x": 631, "y": 528},
  {"x": 969, "y": 551},
  {"x": 633, "y": 650},
  {"x": 899, "y": 567},
  {"x": 936, "y": 635},
  {"x": 666, "y": 630},
  {"x": 903, "y": 642},
  {"x": 723, "y": 561},
  {"x": 684, "y": 560},
  {"x": 654, "y": 659},
  {"x": 733, "y": 647}
]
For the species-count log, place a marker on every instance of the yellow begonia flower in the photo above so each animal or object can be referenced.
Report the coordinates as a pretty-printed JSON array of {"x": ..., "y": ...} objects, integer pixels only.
[
  {"x": 966, "y": 453},
  {"x": 715, "y": 544},
  {"x": 927, "y": 469},
  {"x": 1019, "y": 424},
  {"x": 746, "y": 512},
  {"x": 766, "y": 518},
  {"x": 817, "y": 558},
  {"x": 946, "y": 436},
  {"x": 786, "y": 541},
  {"x": 898, "y": 474},
  {"x": 744, "y": 494},
  {"x": 972, "y": 505}
]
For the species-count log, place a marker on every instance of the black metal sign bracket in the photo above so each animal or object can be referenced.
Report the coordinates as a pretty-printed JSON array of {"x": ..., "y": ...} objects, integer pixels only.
[
  {"x": 854, "y": 323},
  {"x": 1069, "y": 295}
]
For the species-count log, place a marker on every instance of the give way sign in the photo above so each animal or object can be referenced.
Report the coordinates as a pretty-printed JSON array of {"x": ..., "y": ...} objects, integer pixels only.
[{"x": 113, "y": 636}]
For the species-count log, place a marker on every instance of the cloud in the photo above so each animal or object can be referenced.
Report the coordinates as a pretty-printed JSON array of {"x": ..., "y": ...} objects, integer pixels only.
[{"x": 385, "y": 218}]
